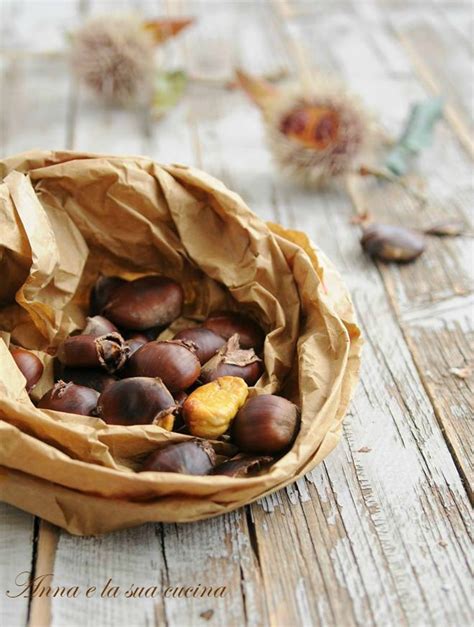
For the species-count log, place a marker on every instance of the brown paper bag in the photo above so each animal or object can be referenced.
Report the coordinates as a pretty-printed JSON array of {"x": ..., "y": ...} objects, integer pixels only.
[{"x": 65, "y": 218}]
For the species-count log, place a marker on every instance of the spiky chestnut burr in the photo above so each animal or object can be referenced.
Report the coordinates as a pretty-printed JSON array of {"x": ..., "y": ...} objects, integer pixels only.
[
  {"x": 317, "y": 132},
  {"x": 114, "y": 55}
]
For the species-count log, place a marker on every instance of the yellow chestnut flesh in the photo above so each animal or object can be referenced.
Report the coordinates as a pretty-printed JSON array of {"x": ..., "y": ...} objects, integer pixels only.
[{"x": 210, "y": 409}]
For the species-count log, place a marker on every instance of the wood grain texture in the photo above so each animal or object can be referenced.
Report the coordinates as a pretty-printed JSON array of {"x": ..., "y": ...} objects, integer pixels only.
[
  {"x": 382, "y": 501},
  {"x": 378, "y": 533},
  {"x": 16, "y": 557}
]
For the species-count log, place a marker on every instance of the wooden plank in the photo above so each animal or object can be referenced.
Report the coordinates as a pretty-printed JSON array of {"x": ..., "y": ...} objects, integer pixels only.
[
  {"x": 445, "y": 271},
  {"x": 213, "y": 555},
  {"x": 16, "y": 561},
  {"x": 34, "y": 92},
  {"x": 442, "y": 342},
  {"x": 357, "y": 537},
  {"x": 444, "y": 168},
  {"x": 442, "y": 63}
]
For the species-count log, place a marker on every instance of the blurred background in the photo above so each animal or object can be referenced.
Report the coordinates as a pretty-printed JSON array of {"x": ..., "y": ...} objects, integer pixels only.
[{"x": 391, "y": 54}]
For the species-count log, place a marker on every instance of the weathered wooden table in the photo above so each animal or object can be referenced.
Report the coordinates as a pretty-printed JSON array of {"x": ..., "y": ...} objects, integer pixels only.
[{"x": 379, "y": 533}]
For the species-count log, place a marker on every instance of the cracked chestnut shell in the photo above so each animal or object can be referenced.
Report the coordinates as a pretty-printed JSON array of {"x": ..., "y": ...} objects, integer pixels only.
[
  {"x": 226, "y": 324},
  {"x": 174, "y": 362},
  {"x": 392, "y": 243},
  {"x": 233, "y": 361},
  {"x": 265, "y": 425},
  {"x": 70, "y": 398},
  {"x": 137, "y": 401},
  {"x": 194, "y": 457},
  {"x": 29, "y": 365},
  {"x": 102, "y": 292},
  {"x": 86, "y": 351},
  {"x": 151, "y": 301},
  {"x": 206, "y": 342}
]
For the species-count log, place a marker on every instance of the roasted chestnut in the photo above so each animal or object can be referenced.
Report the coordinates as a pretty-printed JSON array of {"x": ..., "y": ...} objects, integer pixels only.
[
  {"x": 226, "y": 324},
  {"x": 242, "y": 466},
  {"x": 171, "y": 360},
  {"x": 70, "y": 398},
  {"x": 146, "y": 302},
  {"x": 98, "y": 325},
  {"x": 29, "y": 365},
  {"x": 94, "y": 378},
  {"x": 392, "y": 243},
  {"x": 265, "y": 425},
  {"x": 102, "y": 291},
  {"x": 210, "y": 409},
  {"x": 206, "y": 342},
  {"x": 194, "y": 457},
  {"x": 86, "y": 351},
  {"x": 138, "y": 400},
  {"x": 233, "y": 361}
]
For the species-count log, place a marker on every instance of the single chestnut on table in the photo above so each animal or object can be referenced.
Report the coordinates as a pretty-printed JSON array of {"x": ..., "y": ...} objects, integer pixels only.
[
  {"x": 137, "y": 400},
  {"x": 171, "y": 360},
  {"x": 29, "y": 365},
  {"x": 87, "y": 351},
  {"x": 266, "y": 425},
  {"x": 70, "y": 398},
  {"x": 151, "y": 301},
  {"x": 193, "y": 457},
  {"x": 228, "y": 323},
  {"x": 233, "y": 361},
  {"x": 389, "y": 242},
  {"x": 206, "y": 342}
]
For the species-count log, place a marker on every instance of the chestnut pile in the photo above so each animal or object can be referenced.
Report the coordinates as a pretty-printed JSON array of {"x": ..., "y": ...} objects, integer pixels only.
[{"x": 196, "y": 383}]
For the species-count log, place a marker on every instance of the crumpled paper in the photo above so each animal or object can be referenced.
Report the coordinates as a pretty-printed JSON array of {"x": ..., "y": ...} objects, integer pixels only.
[{"x": 66, "y": 217}]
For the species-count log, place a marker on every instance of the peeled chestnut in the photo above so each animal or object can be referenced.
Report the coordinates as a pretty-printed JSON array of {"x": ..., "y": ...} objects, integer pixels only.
[
  {"x": 194, "y": 457},
  {"x": 94, "y": 378},
  {"x": 233, "y": 361},
  {"x": 265, "y": 425},
  {"x": 206, "y": 342},
  {"x": 70, "y": 398},
  {"x": 171, "y": 360},
  {"x": 29, "y": 365},
  {"x": 392, "y": 243},
  {"x": 86, "y": 351},
  {"x": 98, "y": 325},
  {"x": 228, "y": 323},
  {"x": 102, "y": 291},
  {"x": 138, "y": 400},
  {"x": 242, "y": 466},
  {"x": 144, "y": 303}
]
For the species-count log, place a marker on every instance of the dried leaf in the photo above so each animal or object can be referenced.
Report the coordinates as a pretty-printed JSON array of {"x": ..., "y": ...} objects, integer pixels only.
[
  {"x": 364, "y": 449},
  {"x": 165, "y": 28},
  {"x": 169, "y": 89},
  {"x": 416, "y": 135},
  {"x": 461, "y": 373},
  {"x": 259, "y": 90},
  {"x": 446, "y": 228},
  {"x": 207, "y": 615}
]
